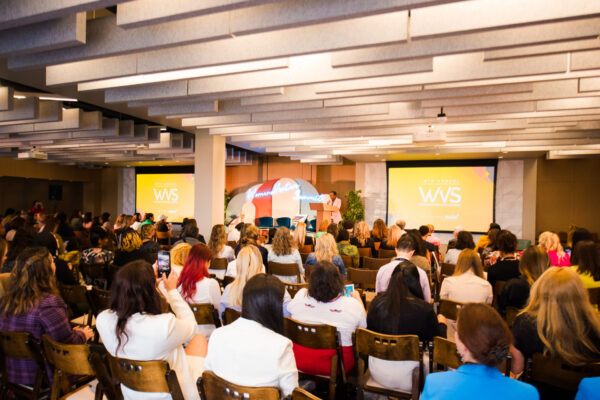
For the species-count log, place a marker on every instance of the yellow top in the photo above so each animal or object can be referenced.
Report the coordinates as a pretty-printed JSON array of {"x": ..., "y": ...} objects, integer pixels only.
[
  {"x": 587, "y": 279},
  {"x": 483, "y": 242}
]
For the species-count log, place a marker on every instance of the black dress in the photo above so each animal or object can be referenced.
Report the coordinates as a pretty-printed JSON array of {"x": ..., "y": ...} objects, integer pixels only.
[{"x": 504, "y": 270}]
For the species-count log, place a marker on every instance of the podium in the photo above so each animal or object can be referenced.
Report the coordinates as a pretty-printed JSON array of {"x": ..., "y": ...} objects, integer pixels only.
[{"x": 323, "y": 212}]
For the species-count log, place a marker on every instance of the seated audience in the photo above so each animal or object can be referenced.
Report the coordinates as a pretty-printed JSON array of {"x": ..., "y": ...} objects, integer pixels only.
[
  {"x": 532, "y": 265},
  {"x": 283, "y": 251},
  {"x": 300, "y": 237},
  {"x": 452, "y": 242},
  {"x": 559, "y": 321},
  {"x": 482, "y": 340},
  {"x": 464, "y": 240},
  {"x": 139, "y": 326},
  {"x": 326, "y": 250},
  {"x": 421, "y": 257},
  {"x": 491, "y": 247},
  {"x": 467, "y": 284},
  {"x": 234, "y": 234},
  {"x": 401, "y": 224},
  {"x": 324, "y": 302},
  {"x": 119, "y": 222},
  {"x": 394, "y": 234},
  {"x": 249, "y": 237},
  {"x": 550, "y": 242},
  {"x": 578, "y": 235},
  {"x": 163, "y": 226},
  {"x": 149, "y": 244},
  {"x": 347, "y": 249},
  {"x": 398, "y": 311},
  {"x": 332, "y": 229},
  {"x": 32, "y": 304},
  {"x": 425, "y": 234},
  {"x": 21, "y": 240},
  {"x": 404, "y": 251},
  {"x": 137, "y": 222},
  {"x": 322, "y": 228},
  {"x": 97, "y": 254},
  {"x": 485, "y": 240},
  {"x": 130, "y": 249},
  {"x": 263, "y": 356},
  {"x": 380, "y": 231},
  {"x": 433, "y": 239},
  {"x": 588, "y": 263},
  {"x": 248, "y": 263},
  {"x": 179, "y": 254},
  {"x": 362, "y": 237},
  {"x": 507, "y": 265},
  {"x": 218, "y": 243}
]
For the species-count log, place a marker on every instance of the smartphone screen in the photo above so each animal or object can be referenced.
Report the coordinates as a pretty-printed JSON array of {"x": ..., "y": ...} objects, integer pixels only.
[
  {"x": 164, "y": 263},
  {"x": 348, "y": 289}
]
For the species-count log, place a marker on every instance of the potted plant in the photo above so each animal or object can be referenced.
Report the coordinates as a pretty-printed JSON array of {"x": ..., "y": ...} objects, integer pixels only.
[{"x": 355, "y": 210}]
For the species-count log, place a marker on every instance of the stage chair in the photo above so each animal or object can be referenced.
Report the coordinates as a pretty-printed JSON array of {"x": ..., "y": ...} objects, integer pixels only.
[
  {"x": 69, "y": 359},
  {"x": 383, "y": 253},
  {"x": 206, "y": 314},
  {"x": 391, "y": 348},
  {"x": 24, "y": 346},
  {"x": 75, "y": 295},
  {"x": 264, "y": 222},
  {"x": 213, "y": 387},
  {"x": 557, "y": 373},
  {"x": 283, "y": 222},
  {"x": 594, "y": 294},
  {"x": 285, "y": 269},
  {"x": 293, "y": 288},
  {"x": 375, "y": 263},
  {"x": 311, "y": 226},
  {"x": 301, "y": 394},
  {"x": 146, "y": 376},
  {"x": 450, "y": 308},
  {"x": 362, "y": 278},
  {"x": 323, "y": 337},
  {"x": 230, "y": 315}
]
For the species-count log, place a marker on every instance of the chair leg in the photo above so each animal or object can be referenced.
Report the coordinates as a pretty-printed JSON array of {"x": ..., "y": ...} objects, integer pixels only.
[{"x": 55, "y": 393}]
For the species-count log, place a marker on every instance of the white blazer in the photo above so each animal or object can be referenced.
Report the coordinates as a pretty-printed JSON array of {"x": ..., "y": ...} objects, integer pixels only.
[
  {"x": 467, "y": 288},
  {"x": 155, "y": 337},
  {"x": 248, "y": 354}
]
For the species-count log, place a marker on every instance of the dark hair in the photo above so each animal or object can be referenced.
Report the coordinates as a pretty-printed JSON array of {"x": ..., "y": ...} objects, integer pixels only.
[
  {"x": 190, "y": 229},
  {"x": 493, "y": 238},
  {"x": 105, "y": 216},
  {"x": 20, "y": 241},
  {"x": 326, "y": 282},
  {"x": 588, "y": 258},
  {"x": 484, "y": 333},
  {"x": 272, "y": 232},
  {"x": 17, "y": 223},
  {"x": 87, "y": 217},
  {"x": 405, "y": 243},
  {"x": 9, "y": 211},
  {"x": 464, "y": 240},
  {"x": 149, "y": 215},
  {"x": 239, "y": 226},
  {"x": 333, "y": 229},
  {"x": 96, "y": 235},
  {"x": 506, "y": 242},
  {"x": 410, "y": 276},
  {"x": 494, "y": 225},
  {"x": 419, "y": 243},
  {"x": 72, "y": 244},
  {"x": 137, "y": 216},
  {"x": 334, "y": 192},
  {"x": 579, "y": 235},
  {"x": 348, "y": 224},
  {"x": 423, "y": 230},
  {"x": 343, "y": 235},
  {"x": 134, "y": 291},
  {"x": 262, "y": 301}
]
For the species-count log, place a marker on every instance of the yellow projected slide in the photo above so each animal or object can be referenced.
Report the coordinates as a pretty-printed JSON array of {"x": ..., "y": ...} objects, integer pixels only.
[
  {"x": 168, "y": 194},
  {"x": 443, "y": 196}
]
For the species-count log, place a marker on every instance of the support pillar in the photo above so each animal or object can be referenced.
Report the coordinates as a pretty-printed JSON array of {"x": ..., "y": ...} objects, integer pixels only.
[{"x": 209, "y": 181}]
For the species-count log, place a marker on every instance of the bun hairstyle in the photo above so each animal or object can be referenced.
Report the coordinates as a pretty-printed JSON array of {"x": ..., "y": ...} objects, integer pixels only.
[{"x": 484, "y": 333}]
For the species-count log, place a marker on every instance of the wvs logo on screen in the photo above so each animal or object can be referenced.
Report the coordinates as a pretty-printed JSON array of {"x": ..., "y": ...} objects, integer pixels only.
[
  {"x": 166, "y": 194},
  {"x": 446, "y": 195}
]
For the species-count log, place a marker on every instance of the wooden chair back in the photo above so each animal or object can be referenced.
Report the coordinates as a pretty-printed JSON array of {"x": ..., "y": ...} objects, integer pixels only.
[
  {"x": 347, "y": 261},
  {"x": 594, "y": 294},
  {"x": 74, "y": 295},
  {"x": 444, "y": 354},
  {"x": 375, "y": 263},
  {"x": 293, "y": 288},
  {"x": 111, "y": 388},
  {"x": 364, "y": 252},
  {"x": 24, "y": 346},
  {"x": 557, "y": 373},
  {"x": 498, "y": 287},
  {"x": 219, "y": 263},
  {"x": 146, "y": 376},
  {"x": 362, "y": 278},
  {"x": 205, "y": 314},
  {"x": 450, "y": 308},
  {"x": 285, "y": 269},
  {"x": 376, "y": 245},
  {"x": 213, "y": 387},
  {"x": 308, "y": 268},
  {"x": 307, "y": 249},
  {"x": 230, "y": 315},
  {"x": 447, "y": 269},
  {"x": 99, "y": 300},
  {"x": 164, "y": 236},
  {"x": 301, "y": 394},
  {"x": 386, "y": 253},
  {"x": 93, "y": 271}
]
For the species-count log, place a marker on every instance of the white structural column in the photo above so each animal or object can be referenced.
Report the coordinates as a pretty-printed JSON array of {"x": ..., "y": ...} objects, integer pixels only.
[{"x": 209, "y": 181}]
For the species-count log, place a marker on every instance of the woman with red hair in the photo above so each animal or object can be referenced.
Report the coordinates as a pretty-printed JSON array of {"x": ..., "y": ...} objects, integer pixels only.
[{"x": 195, "y": 284}]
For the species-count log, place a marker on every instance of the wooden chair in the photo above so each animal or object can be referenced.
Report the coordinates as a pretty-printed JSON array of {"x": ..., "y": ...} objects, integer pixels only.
[
  {"x": 307, "y": 249},
  {"x": 364, "y": 252},
  {"x": 498, "y": 287},
  {"x": 443, "y": 355},
  {"x": 69, "y": 359},
  {"x": 111, "y": 388},
  {"x": 510, "y": 313},
  {"x": 164, "y": 236},
  {"x": 293, "y": 288},
  {"x": 557, "y": 373},
  {"x": 322, "y": 337},
  {"x": 230, "y": 315},
  {"x": 212, "y": 387},
  {"x": 386, "y": 253},
  {"x": 22, "y": 345},
  {"x": 347, "y": 261},
  {"x": 99, "y": 300},
  {"x": 447, "y": 269},
  {"x": 206, "y": 314},
  {"x": 219, "y": 264},
  {"x": 391, "y": 348},
  {"x": 362, "y": 278},
  {"x": 301, "y": 394},
  {"x": 375, "y": 263},
  {"x": 594, "y": 294},
  {"x": 304, "y": 256},
  {"x": 450, "y": 308},
  {"x": 308, "y": 268},
  {"x": 146, "y": 376},
  {"x": 285, "y": 269},
  {"x": 74, "y": 296},
  {"x": 95, "y": 274}
]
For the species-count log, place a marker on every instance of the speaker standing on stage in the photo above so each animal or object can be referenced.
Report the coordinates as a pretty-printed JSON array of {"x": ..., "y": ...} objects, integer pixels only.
[{"x": 336, "y": 217}]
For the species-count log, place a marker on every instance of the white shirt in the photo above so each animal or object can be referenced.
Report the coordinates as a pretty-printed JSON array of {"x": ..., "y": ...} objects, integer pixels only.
[
  {"x": 467, "y": 288},
  {"x": 294, "y": 257},
  {"x": 335, "y": 215},
  {"x": 385, "y": 274},
  {"x": 452, "y": 256},
  {"x": 345, "y": 313},
  {"x": 155, "y": 337},
  {"x": 227, "y": 252},
  {"x": 248, "y": 354},
  {"x": 207, "y": 291},
  {"x": 136, "y": 226},
  {"x": 233, "y": 235}
]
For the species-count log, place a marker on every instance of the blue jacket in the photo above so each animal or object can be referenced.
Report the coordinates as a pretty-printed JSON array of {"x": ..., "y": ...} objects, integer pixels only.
[
  {"x": 475, "y": 381},
  {"x": 588, "y": 389},
  {"x": 336, "y": 260}
]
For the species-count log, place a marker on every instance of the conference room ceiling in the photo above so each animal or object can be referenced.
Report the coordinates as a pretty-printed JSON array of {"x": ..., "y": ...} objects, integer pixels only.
[{"x": 311, "y": 80}]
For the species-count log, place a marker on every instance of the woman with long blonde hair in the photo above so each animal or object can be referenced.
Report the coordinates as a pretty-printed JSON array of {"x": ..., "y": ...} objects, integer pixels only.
[
  {"x": 248, "y": 263},
  {"x": 394, "y": 234},
  {"x": 362, "y": 235},
  {"x": 467, "y": 284},
  {"x": 559, "y": 320},
  {"x": 283, "y": 251},
  {"x": 218, "y": 243},
  {"x": 300, "y": 237},
  {"x": 550, "y": 242},
  {"x": 322, "y": 228},
  {"x": 380, "y": 231},
  {"x": 326, "y": 250}
]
